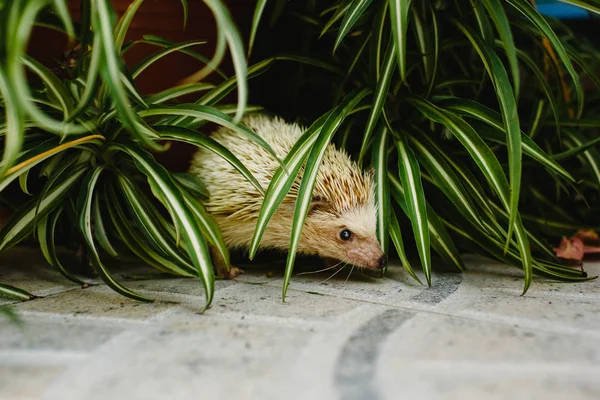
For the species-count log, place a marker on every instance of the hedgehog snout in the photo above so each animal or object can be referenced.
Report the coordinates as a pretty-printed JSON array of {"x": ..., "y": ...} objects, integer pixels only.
[{"x": 382, "y": 262}]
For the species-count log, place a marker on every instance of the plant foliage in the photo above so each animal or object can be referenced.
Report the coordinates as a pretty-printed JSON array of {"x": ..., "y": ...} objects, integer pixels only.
[
  {"x": 472, "y": 112},
  {"x": 79, "y": 142}
]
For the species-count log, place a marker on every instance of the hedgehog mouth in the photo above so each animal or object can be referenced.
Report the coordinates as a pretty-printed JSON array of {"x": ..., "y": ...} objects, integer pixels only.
[{"x": 375, "y": 263}]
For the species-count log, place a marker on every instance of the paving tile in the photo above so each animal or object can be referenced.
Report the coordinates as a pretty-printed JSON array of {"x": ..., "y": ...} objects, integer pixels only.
[
  {"x": 431, "y": 337},
  {"x": 480, "y": 381},
  {"x": 26, "y": 382},
  {"x": 58, "y": 333},
  {"x": 263, "y": 300},
  {"x": 185, "y": 286},
  {"x": 189, "y": 358},
  {"x": 26, "y": 269},
  {"x": 94, "y": 302},
  {"x": 549, "y": 305}
]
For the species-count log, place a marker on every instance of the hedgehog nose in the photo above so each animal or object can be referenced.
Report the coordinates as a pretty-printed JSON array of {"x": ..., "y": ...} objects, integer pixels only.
[{"x": 382, "y": 262}]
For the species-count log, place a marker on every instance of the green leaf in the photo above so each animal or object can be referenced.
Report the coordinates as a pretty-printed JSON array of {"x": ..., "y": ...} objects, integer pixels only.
[
  {"x": 209, "y": 114},
  {"x": 396, "y": 236},
  {"x": 228, "y": 28},
  {"x": 283, "y": 179},
  {"x": 498, "y": 16},
  {"x": 258, "y": 11},
  {"x": 63, "y": 13},
  {"x": 148, "y": 61},
  {"x": 91, "y": 82},
  {"x": 355, "y": 11},
  {"x": 382, "y": 189},
  {"x": 198, "y": 139},
  {"x": 55, "y": 88},
  {"x": 532, "y": 15},
  {"x": 410, "y": 176},
  {"x": 173, "y": 199},
  {"x": 492, "y": 118},
  {"x": 440, "y": 238},
  {"x": 399, "y": 19},
  {"x": 15, "y": 130},
  {"x": 151, "y": 227},
  {"x": 15, "y": 293},
  {"x": 178, "y": 91},
  {"x": 590, "y": 5},
  {"x": 487, "y": 163},
  {"x": 84, "y": 209},
  {"x": 542, "y": 81},
  {"x": 41, "y": 153},
  {"x": 193, "y": 184},
  {"x": 310, "y": 175},
  {"x": 46, "y": 230},
  {"x": 510, "y": 117},
  {"x": 111, "y": 72},
  {"x": 131, "y": 238},
  {"x": 381, "y": 92},
  {"x": 184, "y": 4},
  {"x": 123, "y": 25},
  {"x": 23, "y": 182},
  {"x": 428, "y": 46},
  {"x": 100, "y": 233},
  {"x": 445, "y": 178},
  {"x": 209, "y": 227},
  {"x": 21, "y": 223}
]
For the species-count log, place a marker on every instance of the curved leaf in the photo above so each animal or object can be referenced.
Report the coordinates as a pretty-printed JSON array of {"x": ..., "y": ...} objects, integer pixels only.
[{"x": 310, "y": 174}]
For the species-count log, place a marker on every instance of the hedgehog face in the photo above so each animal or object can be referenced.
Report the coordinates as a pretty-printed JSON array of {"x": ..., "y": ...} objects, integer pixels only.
[{"x": 349, "y": 236}]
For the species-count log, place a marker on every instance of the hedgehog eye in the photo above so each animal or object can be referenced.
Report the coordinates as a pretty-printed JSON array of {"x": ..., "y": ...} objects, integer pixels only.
[{"x": 345, "y": 235}]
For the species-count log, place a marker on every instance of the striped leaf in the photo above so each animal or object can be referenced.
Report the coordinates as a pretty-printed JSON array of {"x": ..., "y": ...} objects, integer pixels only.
[
  {"x": 258, "y": 11},
  {"x": 100, "y": 233},
  {"x": 399, "y": 19},
  {"x": 178, "y": 91},
  {"x": 309, "y": 176},
  {"x": 84, "y": 210},
  {"x": 228, "y": 28},
  {"x": 151, "y": 227},
  {"x": 380, "y": 94},
  {"x": 41, "y": 153},
  {"x": 193, "y": 184},
  {"x": 441, "y": 241},
  {"x": 492, "y": 118},
  {"x": 382, "y": 190},
  {"x": 354, "y": 12},
  {"x": 192, "y": 137},
  {"x": 510, "y": 118},
  {"x": 283, "y": 179},
  {"x": 208, "y": 114},
  {"x": 46, "y": 230},
  {"x": 529, "y": 12},
  {"x": 396, "y": 236},
  {"x": 489, "y": 166},
  {"x": 21, "y": 223},
  {"x": 173, "y": 200},
  {"x": 410, "y": 177},
  {"x": 502, "y": 24},
  {"x": 15, "y": 293},
  {"x": 148, "y": 61}
]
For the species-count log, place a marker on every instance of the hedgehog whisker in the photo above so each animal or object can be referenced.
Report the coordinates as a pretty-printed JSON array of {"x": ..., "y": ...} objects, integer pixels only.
[
  {"x": 351, "y": 269},
  {"x": 335, "y": 273},
  {"x": 321, "y": 270}
]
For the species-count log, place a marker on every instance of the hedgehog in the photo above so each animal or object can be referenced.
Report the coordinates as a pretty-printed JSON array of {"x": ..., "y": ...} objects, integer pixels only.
[{"x": 342, "y": 218}]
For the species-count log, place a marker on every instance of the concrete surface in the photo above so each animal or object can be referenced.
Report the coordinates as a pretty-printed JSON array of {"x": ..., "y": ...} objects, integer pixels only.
[{"x": 470, "y": 336}]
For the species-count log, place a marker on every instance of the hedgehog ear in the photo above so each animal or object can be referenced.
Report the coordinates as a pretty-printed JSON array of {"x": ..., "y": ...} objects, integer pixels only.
[{"x": 317, "y": 203}]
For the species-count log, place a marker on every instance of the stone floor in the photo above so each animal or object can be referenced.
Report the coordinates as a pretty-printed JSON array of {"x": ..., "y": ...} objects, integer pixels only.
[{"x": 469, "y": 336}]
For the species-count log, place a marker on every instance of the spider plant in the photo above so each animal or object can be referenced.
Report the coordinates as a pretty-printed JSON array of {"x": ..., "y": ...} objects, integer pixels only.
[
  {"x": 472, "y": 112},
  {"x": 79, "y": 142}
]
